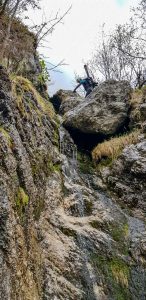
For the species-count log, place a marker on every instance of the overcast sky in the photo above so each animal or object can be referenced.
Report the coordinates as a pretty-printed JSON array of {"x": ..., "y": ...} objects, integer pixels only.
[{"x": 75, "y": 39}]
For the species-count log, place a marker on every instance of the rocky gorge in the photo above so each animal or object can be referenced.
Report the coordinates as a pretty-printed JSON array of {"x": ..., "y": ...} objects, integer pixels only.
[{"x": 72, "y": 192}]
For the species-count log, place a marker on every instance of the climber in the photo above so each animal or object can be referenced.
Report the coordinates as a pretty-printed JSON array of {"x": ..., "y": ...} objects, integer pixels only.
[{"x": 88, "y": 83}]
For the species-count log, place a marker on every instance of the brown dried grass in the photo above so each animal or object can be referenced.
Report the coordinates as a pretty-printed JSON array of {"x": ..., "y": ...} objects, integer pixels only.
[
  {"x": 21, "y": 85},
  {"x": 112, "y": 148}
]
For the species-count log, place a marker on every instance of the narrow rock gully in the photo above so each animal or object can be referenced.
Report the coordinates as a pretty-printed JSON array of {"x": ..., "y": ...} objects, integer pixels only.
[
  {"x": 72, "y": 177},
  {"x": 95, "y": 219}
]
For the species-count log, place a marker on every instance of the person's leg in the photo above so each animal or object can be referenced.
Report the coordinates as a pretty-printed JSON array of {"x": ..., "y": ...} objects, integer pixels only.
[{"x": 88, "y": 92}]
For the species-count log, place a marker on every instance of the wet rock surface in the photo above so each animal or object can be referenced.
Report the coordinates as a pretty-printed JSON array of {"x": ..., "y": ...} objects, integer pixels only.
[{"x": 64, "y": 233}]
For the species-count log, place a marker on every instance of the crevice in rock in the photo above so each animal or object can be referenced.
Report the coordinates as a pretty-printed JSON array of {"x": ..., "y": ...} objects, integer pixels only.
[
  {"x": 87, "y": 141},
  {"x": 55, "y": 100}
]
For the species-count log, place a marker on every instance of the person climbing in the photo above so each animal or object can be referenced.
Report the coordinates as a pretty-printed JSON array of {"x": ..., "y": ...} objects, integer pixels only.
[{"x": 88, "y": 83}]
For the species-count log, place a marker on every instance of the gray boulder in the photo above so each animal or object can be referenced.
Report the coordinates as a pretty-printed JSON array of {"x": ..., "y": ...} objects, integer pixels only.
[
  {"x": 104, "y": 111},
  {"x": 64, "y": 101}
]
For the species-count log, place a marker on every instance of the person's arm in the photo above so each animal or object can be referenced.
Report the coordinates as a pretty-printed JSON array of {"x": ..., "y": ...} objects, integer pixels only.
[{"x": 76, "y": 87}]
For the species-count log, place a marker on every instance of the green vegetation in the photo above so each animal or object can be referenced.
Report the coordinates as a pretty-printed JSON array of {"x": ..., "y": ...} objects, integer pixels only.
[
  {"x": 85, "y": 163},
  {"x": 7, "y": 136},
  {"x": 21, "y": 201},
  {"x": 88, "y": 206},
  {"x": 57, "y": 168},
  {"x": 53, "y": 167},
  {"x": 95, "y": 224},
  {"x": 22, "y": 197},
  {"x": 44, "y": 75},
  {"x": 21, "y": 86},
  {"x": 56, "y": 138},
  {"x": 68, "y": 231},
  {"x": 120, "y": 271},
  {"x": 119, "y": 232},
  {"x": 42, "y": 164},
  {"x": 105, "y": 162},
  {"x": 38, "y": 208},
  {"x": 116, "y": 273},
  {"x": 137, "y": 99},
  {"x": 110, "y": 150}
]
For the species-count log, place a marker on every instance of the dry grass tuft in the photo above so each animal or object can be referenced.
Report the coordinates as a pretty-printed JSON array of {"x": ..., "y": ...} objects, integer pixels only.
[
  {"x": 112, "y": 148},
  {"x": 138, "y": 97},
  {"x": 21, "y": 85}
]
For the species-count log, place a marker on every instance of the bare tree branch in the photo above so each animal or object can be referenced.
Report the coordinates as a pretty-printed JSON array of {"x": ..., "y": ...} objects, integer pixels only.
[{"x": 50, "y": 29}]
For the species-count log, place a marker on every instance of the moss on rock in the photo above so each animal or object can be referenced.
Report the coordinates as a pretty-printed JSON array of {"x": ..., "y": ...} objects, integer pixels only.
[
  {"x": 21, "y": 200},
  {"x": 116, "y": 272}
]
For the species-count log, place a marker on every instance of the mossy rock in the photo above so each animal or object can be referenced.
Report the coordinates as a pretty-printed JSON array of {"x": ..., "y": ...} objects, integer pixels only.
[
  {"x": 42, "y": 164},
  {"x": 21, "y": 200},
  {"x": 85, "y": 163},
  {"x": 120, "y": 234},
  {"x": 95, "y": 224},
  {"x": 7, "y": 137},
  {"x": 115, "y": 275},
  {"x": 38, "y": 208},
  {"x": 20, "y": 87},
  {"x": 68, "y": 231}
]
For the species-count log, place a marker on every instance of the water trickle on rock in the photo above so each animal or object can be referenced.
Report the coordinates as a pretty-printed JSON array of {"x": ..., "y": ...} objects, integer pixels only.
[
  {"x": 72, "y": 179},
  {"x": 61, "y": 139}
]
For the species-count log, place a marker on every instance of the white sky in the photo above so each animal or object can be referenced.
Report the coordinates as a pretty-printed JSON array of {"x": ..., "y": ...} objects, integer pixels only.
[{"x": 76, "y": 39}]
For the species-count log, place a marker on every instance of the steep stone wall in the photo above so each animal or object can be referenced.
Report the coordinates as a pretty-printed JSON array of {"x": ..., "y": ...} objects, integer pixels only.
[
  {"x": 67, "y": 230},
  {"x": 27, "y": 152}
]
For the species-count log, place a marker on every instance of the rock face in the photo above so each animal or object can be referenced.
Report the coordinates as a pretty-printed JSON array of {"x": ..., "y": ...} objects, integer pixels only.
[
  {"x": 64, "y": 233},
  {"x": 27, "y": 136},
  {"x": 64, "y": 101},
  {"x": 127, "y": 178},
  {"x": 104, "y": 111}
]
